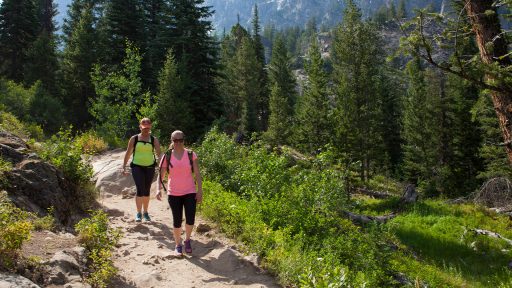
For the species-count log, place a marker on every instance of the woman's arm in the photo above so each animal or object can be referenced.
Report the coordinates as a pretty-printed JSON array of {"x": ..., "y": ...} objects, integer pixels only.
[
  {"x": 129, "y": 152},
  {"x": 199, "y": 181}
]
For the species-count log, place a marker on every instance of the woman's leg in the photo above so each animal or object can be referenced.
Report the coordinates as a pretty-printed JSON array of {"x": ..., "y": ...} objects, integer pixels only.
[
  {"x": 149, "y": 173},
  {"x": 176, "y": 204},
  {"x": 138, "y": 178},
  {"x": 190, "y": 214}
]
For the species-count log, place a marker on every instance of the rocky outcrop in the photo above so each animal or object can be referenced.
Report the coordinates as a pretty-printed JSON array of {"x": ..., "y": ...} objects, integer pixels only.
[
  {"x": 8, "y": 280},
  {"x": 36, "y": 185}
]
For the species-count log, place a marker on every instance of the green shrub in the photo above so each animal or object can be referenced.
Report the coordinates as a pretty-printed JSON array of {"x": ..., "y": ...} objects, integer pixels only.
[
  {"x": 91, "y": 143},
  {"x": 66, "y": 155},
  {"x": 99, "y": 240},
  {"x": 14, "y": 230},
  {"x": 10, "y": 123}
]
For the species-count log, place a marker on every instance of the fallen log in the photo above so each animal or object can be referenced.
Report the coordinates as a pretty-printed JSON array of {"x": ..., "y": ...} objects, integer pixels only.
[
  {"x": 365, "y": 219},
  {"x": 410, "y": 195},
  {"x": 491, "y": 234},
  {"x": 374, "y": 194}
]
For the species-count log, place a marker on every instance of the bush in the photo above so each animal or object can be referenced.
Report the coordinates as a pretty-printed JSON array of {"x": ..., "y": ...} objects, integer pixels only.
[
  {"x": 91, "y": 143},
  {"x": 99, "y": 240},
  {"x": 14, "y": 230},
  {"x": 66, "y": 155}
]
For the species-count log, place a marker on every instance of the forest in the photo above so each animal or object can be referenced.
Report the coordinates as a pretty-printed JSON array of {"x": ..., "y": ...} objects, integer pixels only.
[{"x": 294, "y": 124}]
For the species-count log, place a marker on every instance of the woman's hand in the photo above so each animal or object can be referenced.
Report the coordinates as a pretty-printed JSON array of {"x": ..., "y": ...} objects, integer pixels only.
[
  {"x": 159, "y": 196},
  {"x": 199, "y": 197}
]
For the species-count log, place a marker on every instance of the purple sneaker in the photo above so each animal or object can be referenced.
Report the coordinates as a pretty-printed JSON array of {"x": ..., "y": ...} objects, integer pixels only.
[
  {"x": 179, "y": 249},
  {"x": 188, "y": 247}
]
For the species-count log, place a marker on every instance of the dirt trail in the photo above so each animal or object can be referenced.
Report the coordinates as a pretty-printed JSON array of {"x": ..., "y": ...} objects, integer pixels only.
[{"x": 145, "y": 256}]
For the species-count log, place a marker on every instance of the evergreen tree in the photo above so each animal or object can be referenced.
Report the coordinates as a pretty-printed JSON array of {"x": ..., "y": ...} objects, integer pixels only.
[
  {"x": 402, "y": 11},
  {"x": 262, "y": 99},
  {"x": 79, "y": 56},
  {"x": 421, "y": 124},
  {"x": 123, "y": 21},
  {"x": 42, "y": 61},
  {"x": 282, "y": 95},
  {"x": 313, "y": 127},
  {"x": 248, "y": 71},
  {"x": 172, "y": 109},
  {"x": 357, "y": 66},
  {"x": 19, "y": 28},
  {"x": 196, "y": 51},
  {"x": 157, "y": 23}
]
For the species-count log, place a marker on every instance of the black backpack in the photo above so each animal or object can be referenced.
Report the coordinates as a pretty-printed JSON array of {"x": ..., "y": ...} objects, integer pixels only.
[
  {"x": 167, "y": 156},
  {"x": 152, "y": 141}
]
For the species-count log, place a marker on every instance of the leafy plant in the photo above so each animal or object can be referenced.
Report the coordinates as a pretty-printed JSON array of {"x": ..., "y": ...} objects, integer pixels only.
[
  {"x": 99, "y": 239},
  {"x": 66, "y": 155},
  {"x": 91, "y": 143},
  {"x": 14, "y": 230}
]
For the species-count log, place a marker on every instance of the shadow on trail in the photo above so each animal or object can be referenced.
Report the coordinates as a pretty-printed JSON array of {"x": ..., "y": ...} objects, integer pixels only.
[{"x": 228, "y": 266}]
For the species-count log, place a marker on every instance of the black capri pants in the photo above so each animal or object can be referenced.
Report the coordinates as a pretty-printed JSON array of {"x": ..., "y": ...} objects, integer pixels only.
[
  {"x": 143, "y": 177},
  {"x": 177, "y": 203}
]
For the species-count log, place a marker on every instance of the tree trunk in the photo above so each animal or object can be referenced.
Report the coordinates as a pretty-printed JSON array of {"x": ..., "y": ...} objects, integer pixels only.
[{"x": 493, "y": 47}]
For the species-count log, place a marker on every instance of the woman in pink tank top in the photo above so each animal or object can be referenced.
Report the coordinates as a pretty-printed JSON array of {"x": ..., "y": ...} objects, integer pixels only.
[{"x": 184, "y": 188}]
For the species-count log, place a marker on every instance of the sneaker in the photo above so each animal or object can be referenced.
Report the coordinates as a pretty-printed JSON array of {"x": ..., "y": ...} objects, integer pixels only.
[
  {"x": 188, "y": 247},
  {"x": 146, "y": 216},
  {"x": 179, "y": 249},
  {"x": 138, "y": 217}
]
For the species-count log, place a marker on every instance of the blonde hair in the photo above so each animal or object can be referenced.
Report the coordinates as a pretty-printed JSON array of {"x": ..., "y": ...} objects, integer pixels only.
[{"x": 173, "y": 135}]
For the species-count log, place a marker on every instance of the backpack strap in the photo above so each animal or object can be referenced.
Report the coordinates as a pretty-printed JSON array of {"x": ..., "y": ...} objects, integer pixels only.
[
  {"x": 190, "y": 156},
  {"x": 136, "y": 136}
]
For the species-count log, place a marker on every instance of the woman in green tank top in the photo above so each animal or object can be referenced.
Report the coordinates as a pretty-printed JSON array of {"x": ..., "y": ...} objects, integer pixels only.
[{"x": 146, "y": 152}]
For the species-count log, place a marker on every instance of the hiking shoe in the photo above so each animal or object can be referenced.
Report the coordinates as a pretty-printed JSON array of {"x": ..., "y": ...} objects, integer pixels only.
[
  {"x": 138, "y": 217},
  {"x": 188, "y": 247},
  {"x": 179, "y": 250},
  {"x": 146, "y": 216}
]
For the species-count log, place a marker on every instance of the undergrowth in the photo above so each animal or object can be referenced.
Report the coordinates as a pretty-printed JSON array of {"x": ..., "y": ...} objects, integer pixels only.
[
  {"x": 290, "y": 213},
  {"x": 99, "y": 241}
]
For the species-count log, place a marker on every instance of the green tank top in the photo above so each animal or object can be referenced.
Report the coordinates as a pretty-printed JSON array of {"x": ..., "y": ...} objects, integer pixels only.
[{"x": 143, "y": 154}]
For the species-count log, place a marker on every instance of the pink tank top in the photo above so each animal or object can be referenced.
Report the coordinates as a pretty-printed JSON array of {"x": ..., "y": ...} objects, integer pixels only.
[{"x": 180, "y": 181}]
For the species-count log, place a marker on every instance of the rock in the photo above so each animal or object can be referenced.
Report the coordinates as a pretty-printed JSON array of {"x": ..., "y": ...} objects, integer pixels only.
[
  {"x": 203, "y": 228},
  {"x": 148, "y": 279},
  {"x": 36, "y": 185},
  {"x": 8, "y": 280},
  {"x": 63, "y": 268},
  {"x": 12, "y": 141},
  {"x": 10, "y": 154}
]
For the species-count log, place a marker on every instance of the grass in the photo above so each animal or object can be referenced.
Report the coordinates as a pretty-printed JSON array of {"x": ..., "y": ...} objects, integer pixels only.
[{"x": 439, "y": 247}]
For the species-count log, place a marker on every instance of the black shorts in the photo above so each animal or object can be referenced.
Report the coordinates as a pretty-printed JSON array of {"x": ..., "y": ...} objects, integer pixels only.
[
  {"x": 143, "y": 177},
  {"x": 177, "y": 204}
]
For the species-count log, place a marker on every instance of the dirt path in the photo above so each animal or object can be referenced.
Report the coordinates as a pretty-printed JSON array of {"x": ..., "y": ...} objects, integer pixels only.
[{"x": 145, "y": 256}]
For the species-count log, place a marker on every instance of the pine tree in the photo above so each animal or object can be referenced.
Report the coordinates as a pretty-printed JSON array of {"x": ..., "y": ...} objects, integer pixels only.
[
  {"x": 421, "y": 124},
  {"x": 172, "y": 109},
  {"x": 79, "y": 56},
  {"x": 313, "y": 127},
  {"x": 42, "y": 63},
  {"x": 19, "y": 27},
  {"x": 402, "y": 11},
  {"x": 262, "y": 100},
  {"x": 123, "y": 21},
  {"x": 196, "y": 51},
  {"x": 282, "y": 95},
  {"x": 247, "y": 84},
  {"x": 357, "y": 65},
  {"x": 157, "y": 21}
]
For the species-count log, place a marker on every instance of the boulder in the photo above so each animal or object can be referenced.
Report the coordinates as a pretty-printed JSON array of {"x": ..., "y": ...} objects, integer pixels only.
[
  {"x": 8, "y": 280},
  {"x": 36, "y": 185},
  {"x": 12, "y": 141}
]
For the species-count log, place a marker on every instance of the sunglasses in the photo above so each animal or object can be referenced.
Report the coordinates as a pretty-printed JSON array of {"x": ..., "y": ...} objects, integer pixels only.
[{"x": 178, "y": 140}]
